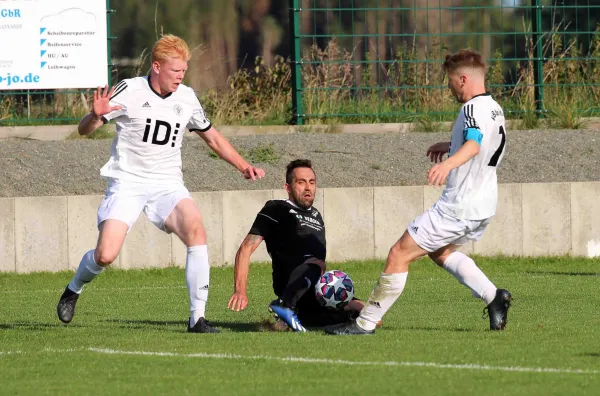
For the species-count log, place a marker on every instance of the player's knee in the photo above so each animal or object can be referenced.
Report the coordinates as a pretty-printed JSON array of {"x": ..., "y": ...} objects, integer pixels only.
[
  {"x": 397, "y": 250},
  {"x": 319, "y": 263},
  {"x": 399, "y": 258},
  {"x": 105, "y": 257},
  {"x": 196, "y": 235}
]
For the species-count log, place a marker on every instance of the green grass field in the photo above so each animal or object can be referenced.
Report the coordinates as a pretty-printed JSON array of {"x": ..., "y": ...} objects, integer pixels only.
[{"x": 129, "y": 337}]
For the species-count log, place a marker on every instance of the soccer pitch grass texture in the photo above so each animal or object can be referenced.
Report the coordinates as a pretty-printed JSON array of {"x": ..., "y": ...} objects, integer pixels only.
[{"x": 129, "y": 336}]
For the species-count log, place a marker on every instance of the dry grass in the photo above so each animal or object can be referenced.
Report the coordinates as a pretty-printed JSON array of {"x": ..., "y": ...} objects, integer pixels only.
[{"x": 337, "y": 89}]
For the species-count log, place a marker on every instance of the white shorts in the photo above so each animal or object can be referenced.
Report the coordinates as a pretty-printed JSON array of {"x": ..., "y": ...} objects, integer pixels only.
[
  {"x": 124, "y": 201},
  {"x": 434, "y": 230}
]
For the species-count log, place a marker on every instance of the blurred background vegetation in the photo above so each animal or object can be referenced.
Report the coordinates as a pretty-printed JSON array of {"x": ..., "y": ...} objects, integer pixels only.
[{"x": 359, "y": 64}]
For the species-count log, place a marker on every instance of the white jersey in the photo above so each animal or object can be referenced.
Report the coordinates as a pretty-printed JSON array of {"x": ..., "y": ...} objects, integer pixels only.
[
  {"x": 150, "y": 129},
  {"x": 471, "y": 191}
]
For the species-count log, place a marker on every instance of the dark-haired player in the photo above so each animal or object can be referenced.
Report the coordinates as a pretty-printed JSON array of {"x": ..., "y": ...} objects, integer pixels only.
[{"x": 295, "y": 236}]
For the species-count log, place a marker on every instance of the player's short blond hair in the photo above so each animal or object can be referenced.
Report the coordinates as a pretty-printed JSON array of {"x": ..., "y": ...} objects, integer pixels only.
[
  {"x": 464, "y": 58},
  {"x": 170, "y": 46}
]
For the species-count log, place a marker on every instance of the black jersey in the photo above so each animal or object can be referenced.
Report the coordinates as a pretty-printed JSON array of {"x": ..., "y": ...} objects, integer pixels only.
[{"x": 292, "y": 235}]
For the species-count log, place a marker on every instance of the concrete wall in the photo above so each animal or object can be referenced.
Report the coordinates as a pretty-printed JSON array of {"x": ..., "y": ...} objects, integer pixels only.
[{"x": 52, "y": 233}]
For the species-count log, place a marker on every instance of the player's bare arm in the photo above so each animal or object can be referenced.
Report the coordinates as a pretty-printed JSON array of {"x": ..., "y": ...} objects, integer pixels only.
[
  {"x": 436, "y": 152},
  {"x": 439, "y": 172},
  {"x": 101, "y": 107},
  {"x": 217, "y": 142},
  {"x": 239, "y": 299}
]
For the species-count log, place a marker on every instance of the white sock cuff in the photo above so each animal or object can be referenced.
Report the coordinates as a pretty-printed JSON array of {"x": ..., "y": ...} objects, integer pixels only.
[
  {"x": 393, "y": 281},
  {"x": 453, "y": 260},
  {"x": 198, "y": 249},
  {"x": 91, "y": 263}
]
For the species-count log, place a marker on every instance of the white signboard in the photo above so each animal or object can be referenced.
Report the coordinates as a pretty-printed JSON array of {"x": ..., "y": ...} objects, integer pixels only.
[{"x": 48, "y": 44}]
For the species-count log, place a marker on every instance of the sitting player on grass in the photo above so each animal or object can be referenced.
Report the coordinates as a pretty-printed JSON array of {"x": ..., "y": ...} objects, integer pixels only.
[{"x": 295, "y": 236}]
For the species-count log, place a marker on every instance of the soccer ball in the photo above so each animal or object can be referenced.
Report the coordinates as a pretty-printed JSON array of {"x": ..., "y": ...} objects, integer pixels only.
[{"x": 334, "y": 289}]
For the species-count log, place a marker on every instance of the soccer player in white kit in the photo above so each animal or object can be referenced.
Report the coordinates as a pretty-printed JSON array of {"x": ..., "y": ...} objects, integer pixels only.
[
  {"x": 465, "y": 208},
  {"x": 144, "y": 172}
]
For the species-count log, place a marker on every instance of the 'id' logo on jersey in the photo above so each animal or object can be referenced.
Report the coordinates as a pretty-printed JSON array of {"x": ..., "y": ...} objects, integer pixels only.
[{"x": 161, "y": 133}]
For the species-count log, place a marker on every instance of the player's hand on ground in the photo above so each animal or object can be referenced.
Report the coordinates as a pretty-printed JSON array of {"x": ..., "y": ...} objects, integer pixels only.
[
  {"x": 238, "y": 302},
  {"x": 253, "y": 173},
  {"x": 436, "y": 152},
  {"x": 101, "y": 104},
  {"x": 438, "y": 173}
]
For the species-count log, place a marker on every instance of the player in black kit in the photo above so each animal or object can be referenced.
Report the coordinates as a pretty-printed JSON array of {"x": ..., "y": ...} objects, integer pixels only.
[{"x": 295, "y": 236}]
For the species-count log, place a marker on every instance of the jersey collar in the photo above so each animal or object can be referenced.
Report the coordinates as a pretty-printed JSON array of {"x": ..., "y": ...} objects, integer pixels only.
[
  {"x": 483, "y": 94},
  {"x": 296, "y": 206},
  {"x": 156, "y": 93}
]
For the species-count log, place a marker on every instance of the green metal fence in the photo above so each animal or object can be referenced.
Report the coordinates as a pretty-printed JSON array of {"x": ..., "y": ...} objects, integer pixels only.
[
  {"x": 45, "y": 107},
  {"x": 380, "y": 61}
]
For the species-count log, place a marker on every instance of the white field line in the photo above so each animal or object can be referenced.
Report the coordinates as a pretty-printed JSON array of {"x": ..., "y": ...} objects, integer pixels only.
[
  {"x": 101, "y": 289},
  {"x": 294, "y": 359}
]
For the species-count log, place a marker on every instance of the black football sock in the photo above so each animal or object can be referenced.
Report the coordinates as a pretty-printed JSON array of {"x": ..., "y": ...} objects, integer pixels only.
[{"x": 302, "y": 278}]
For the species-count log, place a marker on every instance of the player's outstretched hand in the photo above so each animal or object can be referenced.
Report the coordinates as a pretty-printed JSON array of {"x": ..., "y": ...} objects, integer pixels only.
[
  {"x": 438, "y": 173},
  {"x": 101, "y": 101},
  {"x": 253, "y": 173},
  {"x": 436, "y": 152},
  {"x": 238, "y": 302}
]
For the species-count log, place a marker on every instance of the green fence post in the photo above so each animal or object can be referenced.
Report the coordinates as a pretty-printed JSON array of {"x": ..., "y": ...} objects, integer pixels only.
[
  {"x": 295, "y": 52},
  {"x": 538, "y": 72},
  {"x": 109, "y": 38}
]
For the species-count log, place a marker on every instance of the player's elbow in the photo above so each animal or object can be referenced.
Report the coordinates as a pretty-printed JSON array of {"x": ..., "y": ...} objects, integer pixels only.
[
  {"x": 242, "y": 251},
  {"x": 88, "y": 125},
  {"x": 245, "y": 251},
  {"x": 83, "y": 131},
  {"x": 242, "y": 258},
  {"x": 81, "y": 128}
]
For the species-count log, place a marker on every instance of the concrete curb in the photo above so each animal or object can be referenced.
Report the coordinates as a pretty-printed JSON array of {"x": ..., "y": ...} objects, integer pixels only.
[
  {"x": 61, "y": 132},
  {"x": 42, "y": 132}
]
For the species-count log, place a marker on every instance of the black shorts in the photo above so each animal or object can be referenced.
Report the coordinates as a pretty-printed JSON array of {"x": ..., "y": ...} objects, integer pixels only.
[{"x": 312, "y": 314}]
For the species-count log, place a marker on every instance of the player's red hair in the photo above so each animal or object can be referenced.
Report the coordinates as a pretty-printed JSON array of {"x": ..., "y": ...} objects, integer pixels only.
[
  {"x": 170, "y": 46},
  {"x": 464, "y": 58}
]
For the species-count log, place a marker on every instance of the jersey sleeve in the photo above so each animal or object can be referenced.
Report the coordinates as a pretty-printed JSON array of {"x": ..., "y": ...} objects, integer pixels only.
[
  {"x": 266, "y": 221},
  {"x": 199, "y": 121},
  {"x": 324, "y": 234},
  {"x": 117, "y": 100},
  {"x": 473, "y": 120}
]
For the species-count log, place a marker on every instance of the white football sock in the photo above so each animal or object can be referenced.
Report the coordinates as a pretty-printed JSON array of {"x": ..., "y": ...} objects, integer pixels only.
[
  {"x": 387, "y": 291},
  {"x": 467, "y": 273},
  {"x": 86, "y": 272},
  {"x": 197, "y": 274}
]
